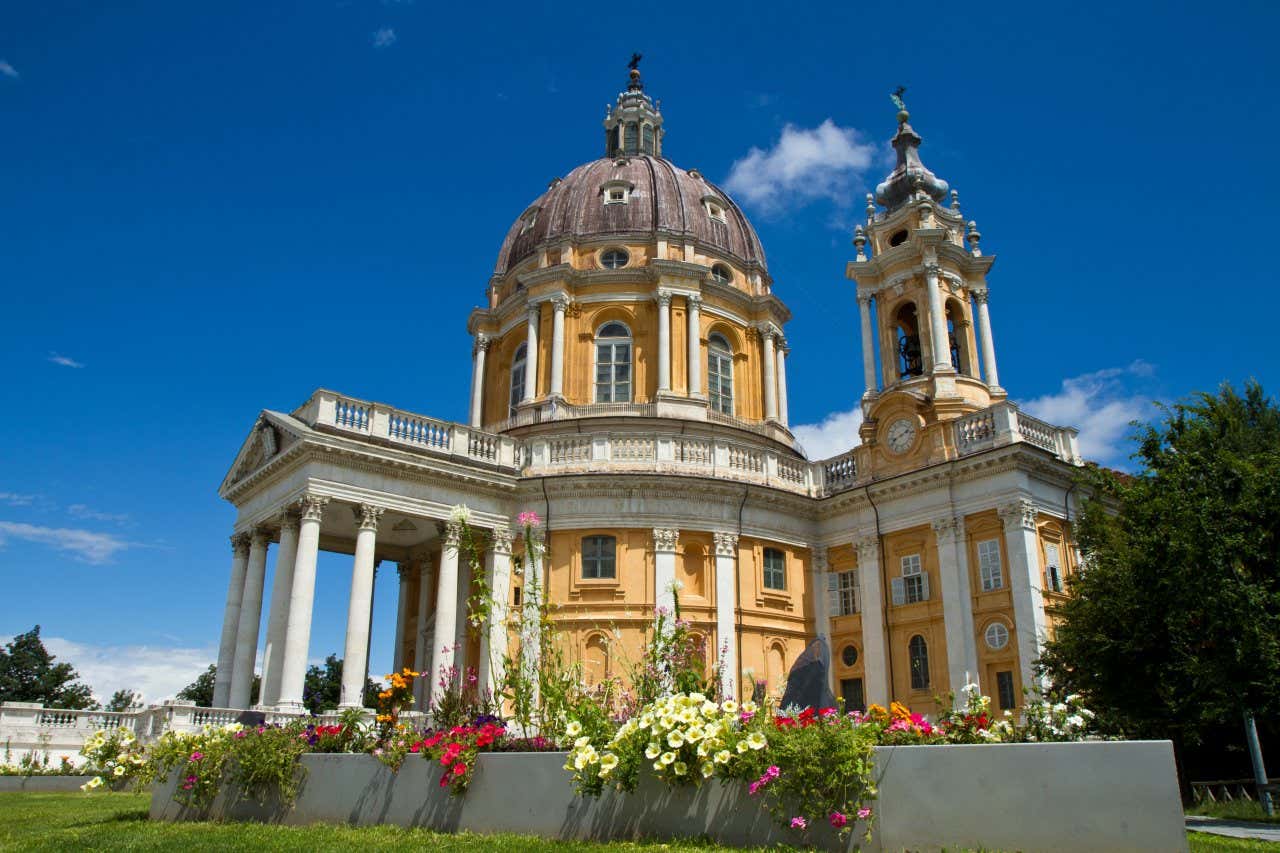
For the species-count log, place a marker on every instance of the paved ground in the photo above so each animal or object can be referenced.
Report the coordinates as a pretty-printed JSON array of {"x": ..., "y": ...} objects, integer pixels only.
[{"x": 1234, "y": 828}]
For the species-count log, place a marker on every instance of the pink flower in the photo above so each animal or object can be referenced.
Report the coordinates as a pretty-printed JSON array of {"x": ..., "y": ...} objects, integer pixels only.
[
  {"x": 838, "y": 819},
  {"x": 196, "y": 756},
  {"x": 799, "y": 823},
  {"x": 528, "y": 518},
  {"x": 864, "y": 813}
]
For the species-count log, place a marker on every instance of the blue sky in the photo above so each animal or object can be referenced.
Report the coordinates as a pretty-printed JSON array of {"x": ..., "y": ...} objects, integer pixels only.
[{"x": 211, "y": 209}]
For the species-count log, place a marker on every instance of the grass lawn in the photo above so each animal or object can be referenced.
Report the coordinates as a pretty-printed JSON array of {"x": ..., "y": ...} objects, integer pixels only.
[
  {"x": 1202, "y": 842},
  {"x": 1236, "y": 810}
]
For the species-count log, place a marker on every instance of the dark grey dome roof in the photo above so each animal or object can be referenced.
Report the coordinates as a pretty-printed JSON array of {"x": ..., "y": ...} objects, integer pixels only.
[{"x": 664, "y": 200}]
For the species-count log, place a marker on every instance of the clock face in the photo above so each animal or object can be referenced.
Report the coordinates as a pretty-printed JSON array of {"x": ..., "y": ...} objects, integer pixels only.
[{"x": 901, "y": 435}]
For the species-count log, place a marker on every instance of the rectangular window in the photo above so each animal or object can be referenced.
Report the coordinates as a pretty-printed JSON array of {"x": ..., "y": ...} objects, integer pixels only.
[
  {"x": 599, "y": 557},
  {"x": 989, "y": 565},
  {"x": 775, "y": 569},
  {"x": 842, "y": 593},
  {"x": 1053, "y": 566},
  {"x": 851, "y": 692},
  {"x": 515, "y": 596},
  {"x": 1004, "y": 690},
  {"x": 913, "y": 586}
]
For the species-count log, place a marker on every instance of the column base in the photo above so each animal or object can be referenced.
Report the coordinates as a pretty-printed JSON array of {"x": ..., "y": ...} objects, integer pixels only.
[{"x": 291, "y": 708}]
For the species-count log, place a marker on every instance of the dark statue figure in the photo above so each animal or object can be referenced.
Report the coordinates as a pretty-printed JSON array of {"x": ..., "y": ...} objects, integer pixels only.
[{"x": 808, "y": 684}]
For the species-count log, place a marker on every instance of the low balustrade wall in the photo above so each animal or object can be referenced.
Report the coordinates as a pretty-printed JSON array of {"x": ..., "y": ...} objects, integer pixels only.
[{"x": 1098, "y": 796}]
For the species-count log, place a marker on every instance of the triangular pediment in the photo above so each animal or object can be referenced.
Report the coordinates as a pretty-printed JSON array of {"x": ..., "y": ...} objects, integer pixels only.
[{"x": 268, "y": 438}]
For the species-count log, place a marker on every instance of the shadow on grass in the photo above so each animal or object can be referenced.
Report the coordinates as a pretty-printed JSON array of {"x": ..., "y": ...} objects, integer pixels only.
[{"x": 137, "y": 816}]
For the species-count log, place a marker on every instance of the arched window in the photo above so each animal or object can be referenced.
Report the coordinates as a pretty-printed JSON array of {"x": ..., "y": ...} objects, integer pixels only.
[
  {"x": 910, "y": 358},
  {"x": 613, "y": 364},
  {"x": 958, "y": 339},
  {"x": 720, "y": 374},
  {"x": 722, "y": 273},
  {"x": 517, "y": 377},
  {"x": 918, "y": 654}
]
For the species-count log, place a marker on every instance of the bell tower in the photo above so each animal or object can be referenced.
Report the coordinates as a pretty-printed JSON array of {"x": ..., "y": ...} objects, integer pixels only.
[{"x": 927, "y": 351}]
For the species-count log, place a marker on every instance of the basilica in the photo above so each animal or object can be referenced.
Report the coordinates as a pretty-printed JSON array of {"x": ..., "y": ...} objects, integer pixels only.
[{"x": 629, "y": 385}]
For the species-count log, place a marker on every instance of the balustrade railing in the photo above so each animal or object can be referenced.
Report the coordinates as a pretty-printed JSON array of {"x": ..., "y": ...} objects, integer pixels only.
[
  {"x": 975, "y": 430},
  {"x": 1037, "y": 432},
  {"x": 838, "y": 473}
]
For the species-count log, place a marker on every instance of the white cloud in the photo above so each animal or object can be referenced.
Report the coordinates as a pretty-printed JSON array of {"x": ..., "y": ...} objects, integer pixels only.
[
  {"x": 1101, "y": 405},
  {"x": 8, "y": 70},
  {"x": 156, "y": 672},
  {"x": 14, "y": 499},
  {"x": 86, "y": 545},
  {"x": 85, "y": 512},
  {"x": 384, "y": 37},
  {"x": 827, "y": 161},
  {"x": 837, "y": 433},
  {"x": 64, "y": 360}
]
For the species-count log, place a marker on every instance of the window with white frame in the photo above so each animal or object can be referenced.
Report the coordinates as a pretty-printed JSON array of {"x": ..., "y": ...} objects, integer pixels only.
[
  {"x": 517, "y": 378},
  {"x": 614, "y": 259},
  {"x": 715, "y": 208},
  {"x": 775, "y": 569},
  {"x": 599, "y": 557},
  {"x": 913, "y": 585},
  {"x": 720, "y": 374},
  {"x": 722, "y": 273},
  {"x": 996, "y": 636},
  {"x": 989, "y": 565},
  {"x": 613, "y": 364},
  {"x": 1053, "y": 566},
  {"x": 616, "y": 192},
  {"x": 842, "y": 592}
]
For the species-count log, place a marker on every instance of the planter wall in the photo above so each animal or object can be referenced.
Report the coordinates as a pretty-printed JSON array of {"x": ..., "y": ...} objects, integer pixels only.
[
  {"x": 1030, "y": 797},
  {"x": 42, "y": 783}
]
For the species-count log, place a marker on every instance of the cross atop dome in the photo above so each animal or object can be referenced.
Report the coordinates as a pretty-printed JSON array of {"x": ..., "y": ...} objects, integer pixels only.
[
  {"x": 633, "y": 125},
  {"x": 910, "y": 178}
]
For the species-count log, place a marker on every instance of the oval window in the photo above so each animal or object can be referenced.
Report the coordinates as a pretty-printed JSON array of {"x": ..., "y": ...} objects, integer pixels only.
[
  {"x": 849, "y": 655},
  {"x": 614, "y": 259},
  {"x": 898, "y": 239},
  {"x": 997, "y": 636},
  {"x": 722, "y": 274}
]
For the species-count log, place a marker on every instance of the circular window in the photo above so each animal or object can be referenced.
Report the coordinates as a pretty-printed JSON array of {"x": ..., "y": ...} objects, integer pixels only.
[
  {"x": 997, "y": 636},
  {"x": 898, "y": 239},
  {"x": 614, "y": 259},
  {"x": 849, "y": 655},
  {"x": 722, "y": 274}
]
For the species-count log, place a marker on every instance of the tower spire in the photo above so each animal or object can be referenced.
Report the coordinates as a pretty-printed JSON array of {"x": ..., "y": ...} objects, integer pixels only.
[
  {"x": 910, "y": 178},
  {"x": 634, "y": 123}
]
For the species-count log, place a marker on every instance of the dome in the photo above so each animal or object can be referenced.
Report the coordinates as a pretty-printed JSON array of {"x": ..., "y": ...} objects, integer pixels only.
[{"x": 659, "y": 199}]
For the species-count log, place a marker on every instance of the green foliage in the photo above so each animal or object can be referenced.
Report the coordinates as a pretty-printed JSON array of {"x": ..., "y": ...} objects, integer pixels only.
[
  {"x": 124, "y": 700},
  {"x": 200, "y": 691},
  {"x": 265, "y": 761},
  {"x": 114, "y": 758},
  {"x": 322, "y": 687},
  {"x": 1175, "y": 624},
  {"x": 28, "y": 674}
]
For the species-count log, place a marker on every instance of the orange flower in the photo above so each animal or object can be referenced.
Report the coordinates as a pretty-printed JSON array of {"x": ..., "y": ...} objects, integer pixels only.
[{"x": 900, "y": 711}]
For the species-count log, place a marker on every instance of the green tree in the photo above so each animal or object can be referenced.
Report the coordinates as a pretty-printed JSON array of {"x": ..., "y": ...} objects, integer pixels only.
[
  {"x": 1174, "y": 626},
  {"x": 200, "y": 691},
  {"x": 28, "y": 674},
  {"x": 124, "y": 700},
  {"x": 322, "y": 689}
]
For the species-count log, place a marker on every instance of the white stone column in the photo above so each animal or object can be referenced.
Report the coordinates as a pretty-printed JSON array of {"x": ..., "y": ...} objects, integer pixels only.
[
  {"x": 875, "y": 659},
  {"x": 937, "y": 319},
  {"x": 359, "y": 606},
  {"x": 493, "y": 640},
  {"x": 770, "y": 373},
  {"x": 442, "y": 652},
  {"x": 250, "y": 621},
  {"x": 782, "y": 381},
  {"x": 422, "y": 646},
  {"x": 531, "y": 638},
  {"x": 278, "y": 618},
  {"x": 663, "y": 298},
  {"x": 560, "y": 304},
  {"x": 868, "y": 345},
  {"x": 1024, "y": 581},
  {"x": 665, "y": 540},
  {"x": 231, "y": 620},
  {"x": 957, "y": 603},
  {"x": 297, "y": 637},
  {"x": 989, "y": 372},
  {"x": 464, "y": 616},
  {"x": 477, "y": 380},
  {"x": 695, "y": 345},
  {"x": 726, "y": 611},
  {"x": 531, "y": 354},
  {"x": 403, "y": 605},
  {"x": 819, "y": 569}
]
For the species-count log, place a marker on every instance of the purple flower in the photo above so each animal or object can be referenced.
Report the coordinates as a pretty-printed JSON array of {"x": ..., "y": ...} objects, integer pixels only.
[
  {"x": 799, "y": 823},
  {"x": 864, "y": 813}
]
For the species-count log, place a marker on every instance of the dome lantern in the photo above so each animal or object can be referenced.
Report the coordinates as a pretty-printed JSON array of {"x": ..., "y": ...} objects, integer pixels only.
[{"x": 634, "y": 124}]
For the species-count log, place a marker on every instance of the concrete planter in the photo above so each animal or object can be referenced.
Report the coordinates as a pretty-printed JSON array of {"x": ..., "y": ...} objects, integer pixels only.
[
  {"x": 1030, "y": 797},
  {"x": 42, "y": 783}
]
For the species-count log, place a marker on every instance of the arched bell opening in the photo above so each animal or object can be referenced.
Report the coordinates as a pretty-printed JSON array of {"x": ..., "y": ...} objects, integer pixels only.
[
  {"x": 958, "y": 339},
  {"x": 907, "y": 325}
]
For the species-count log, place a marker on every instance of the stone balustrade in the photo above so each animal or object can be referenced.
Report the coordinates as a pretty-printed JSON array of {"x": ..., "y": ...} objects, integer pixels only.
[{"x": 1004, "y": 423}]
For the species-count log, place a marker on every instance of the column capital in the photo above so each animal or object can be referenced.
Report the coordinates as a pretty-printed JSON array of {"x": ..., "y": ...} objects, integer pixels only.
[
  {"x": 663, "y": 298},
  {"x": 405, "y": 571},
  {"x": 290, "y": 518},
  {"x": 948, "y": 528},
  {"x": 421, "y": 563},
  {"x": 501, "y": 540},
  {"x": 560, "y": 302},
  {"x": 780, "y": 343},
  {"x": 694, "y": 300},
  {"x": 483, "y": 340},
  {"x": 864, "y": 298},
  {"x": 450, "y": 532},
  {"x": 868, "y": 547},
  {"x": 1018, "y": 515},
  {"x": 665, "y": 539},
  {"x": 932, "y": 269},
  {"x": 818, "y": 555},
  {"x": 240, "y": 544},
  {"x": 979, "y": 295},
  {"x": 726, "y": 543},
  {"x": 260, "y": 536},
  {"x": 367, "y": 516},
  {"x": 311, "y": 507},
  {"x": 767, "y": 330}
]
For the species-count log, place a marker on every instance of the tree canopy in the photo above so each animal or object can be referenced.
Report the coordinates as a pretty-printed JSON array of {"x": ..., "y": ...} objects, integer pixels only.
[
  {"x": 124, "y": 700},
  {"x": 200, "y": 691},
  {"x": 28, "y": 673},
  {"x": 322, "y": 689},
  {"x": 1174, "y": 625}
]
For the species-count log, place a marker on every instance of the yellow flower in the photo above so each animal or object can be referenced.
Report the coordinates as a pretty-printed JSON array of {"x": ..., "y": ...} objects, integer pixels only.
[
  {"x": 681, "y": 768},
  {"x": 667, "y": 758},
  {"x": 723, "y": 756},
  {"x": 755, "y": 740},
  {"x": 573, "y": 729},
  {"x": 652, "y": 750},
  {"x": 708, "y": 770}
]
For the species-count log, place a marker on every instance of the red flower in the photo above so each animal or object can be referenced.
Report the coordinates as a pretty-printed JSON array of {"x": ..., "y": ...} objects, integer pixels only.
[
  {"x": 444, "y": 780},
  {"x": 459, "y": 769}
]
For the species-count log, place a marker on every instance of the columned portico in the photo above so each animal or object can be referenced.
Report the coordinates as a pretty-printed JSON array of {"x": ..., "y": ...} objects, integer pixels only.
[
  {"x": 531, "y": 353},
  {"x": 250, "y": 621},
  {"x": 726, "y": 611},
  {"x": 446, "y": 623},
  {"x": 422, "y": 640},
  {"x": 875, "y": 661},
  {"x": 868, "y": 346},
  {"x": 989, "y": 372},
  {"x": 957, "y": 602},
  {"x": 360, "y": 607},
  {"x": 231, "y": 620},
  {"x": 1024, "y": 580},
  {"x": 663, "y": 299},
  {"x": 559, "y": 304},
  {"x": 665, "y": 541},
  {"x": 297, "y": 638},
  {"x": 695, "y": 345},
  {"x": 278, "y": 618},
  {"x": 477, "y": 379},
  {"x": 404, "y": 605},
  {"x": 493, "y": 642}
]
